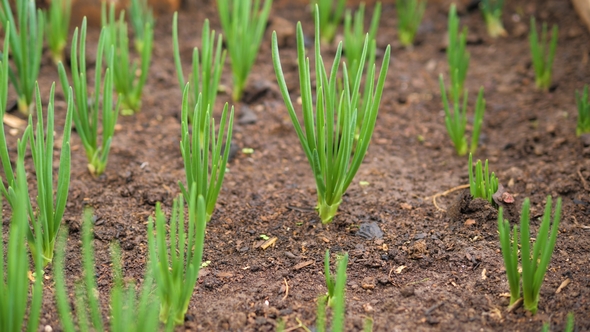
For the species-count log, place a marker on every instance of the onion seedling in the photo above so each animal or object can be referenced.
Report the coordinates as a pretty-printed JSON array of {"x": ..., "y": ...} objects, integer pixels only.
[
  {"x": 583, "y": 112},
  {"x": 14, "y": 266},
  {"x": 330, "y": 17},
  {"x": 50, "y": 211},
  {"x": 206, "y": 71},
  {"x": 456, "y": 122},
  {"x": 142, "y": 22},
  {"x": 492, "y": 14},
  {"x": 457, "y": 55},
  {"x": 51, "y": 202},
  {"x": 128, "y": 84},
  {"x": 335, "y": 297},
  {"x": 26, "y": 44},
  {"x": 85, "y": 115},
  {"x": 329, "y": 138},
  {"x": 176, "y": 261},
  {"x": 243, "y": 23},
  {"x": 204, "y": 161},
  {"x": 354, "y": 37},
  {"x": 4, "y": 156},
  {"x": 482, "y": 184},
  {"x": 535, "y": 263},
  {"x": 127, "y": 311},
  {"x": 409, "y": 14},
  {"x": 58, "y": 26},
  {"x": 542, "y": 54}
]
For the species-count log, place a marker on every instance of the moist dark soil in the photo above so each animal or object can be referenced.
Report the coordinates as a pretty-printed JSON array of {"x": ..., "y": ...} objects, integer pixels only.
[{"x": 430, "y": 271}]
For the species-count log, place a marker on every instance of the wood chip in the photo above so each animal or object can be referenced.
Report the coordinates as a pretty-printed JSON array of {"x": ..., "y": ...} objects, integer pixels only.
[
  {"x": 563, "y": 285},
  {"x": 514, "y": 305},
  {"x": 302, "y": 265},
  {"x": 483, "y": 274},
  {"x": 469, "y": 222},
  {"x": 269, "y": 242},
  {"x": 405, "y": 206},
  {"x": 14, "y": 122},
  {"x": 400, "y": 269},
  {"x": 225, "y": 274}
]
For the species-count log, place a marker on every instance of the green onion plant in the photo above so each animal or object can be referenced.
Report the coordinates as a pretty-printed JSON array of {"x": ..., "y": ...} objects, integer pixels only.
[
  {"x": 142, "y": 21},
  {"x": 492, "y": 14},
  {"x": 26, "y": 45},
  {"x": 57, "y": 27},
  {"x": 205, "y": 156},
  {"x": 176, "y": 259},
  {"x": 482, "y": 184},
  {"x": 330, "y": 17},
  {"x": 329, "y": 138},
  {"x": 4, "y": 156},
  {"x": 409, "y": 14},
  {"x": 335, "y": 297},
  {"x": 51, "y": 201},
  {"x": 128, "y": 84},
  {"x": 50, "y": 210},
  {"x": 569, "y": 324},
  {"x": 86, "y": 115},
  {"x": 534, "y": 263},
  {"x": 128, "y": 312},
  {"x": 457, "y": 55},
  {"x": 456, "y": 122},
  {"x": 354, "y": 37},
  {"x": 207, "y": 65},
  {"x": 243, "y": 23},
  {"x": 583, "y": 112},
  {"x": 14, "y": 266},
  {"x": 542, "y": 54}
]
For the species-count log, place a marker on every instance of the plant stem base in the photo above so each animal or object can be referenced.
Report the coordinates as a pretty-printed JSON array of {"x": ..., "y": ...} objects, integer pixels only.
[{"x": 327, "y": 212}]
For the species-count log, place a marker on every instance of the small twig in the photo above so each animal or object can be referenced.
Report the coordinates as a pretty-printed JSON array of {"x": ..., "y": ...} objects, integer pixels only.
[
  {"x": 300, "y": 326},
  {"x": 434, "y": 307},
  {"x": 584, "y": 183},
  {"x": 286, "y": 289},
  {"x": 463, "y": 186},
  {"x": 417, "y": 282},
  {"x": 295, "y": 208},
  {"x": 563, "y": 285}
]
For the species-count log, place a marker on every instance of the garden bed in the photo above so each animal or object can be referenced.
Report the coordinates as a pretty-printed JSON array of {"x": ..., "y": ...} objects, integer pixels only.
[{"x": 429, "y": 271}]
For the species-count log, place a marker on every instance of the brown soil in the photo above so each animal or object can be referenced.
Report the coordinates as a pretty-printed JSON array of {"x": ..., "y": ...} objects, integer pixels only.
[{"x": 430, "y": 271}]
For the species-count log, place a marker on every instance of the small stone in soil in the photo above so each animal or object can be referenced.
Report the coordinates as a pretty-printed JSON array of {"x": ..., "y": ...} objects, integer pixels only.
[
  {"x": 407, "y": 291},
  {"x": 247, "y": 116},
  {"x": 369, "y": 283},
  {"x": 233, "y": 150},
  {"x": 585, "y": 138},
  {"x": 370, "y": 231}
]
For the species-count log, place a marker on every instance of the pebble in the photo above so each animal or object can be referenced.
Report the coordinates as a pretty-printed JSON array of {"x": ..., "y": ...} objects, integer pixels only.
[
  {"x": 247, "y": 116},
  {"x": 369, "y": 283},
  {"x": 585, "y": 138},
  {"x": 407, "y": 291},
  {"x": 370, "y": 231}
]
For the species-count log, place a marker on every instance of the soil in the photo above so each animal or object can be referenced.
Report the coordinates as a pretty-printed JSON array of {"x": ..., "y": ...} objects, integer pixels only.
[{"x": 430, "y": 271}]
